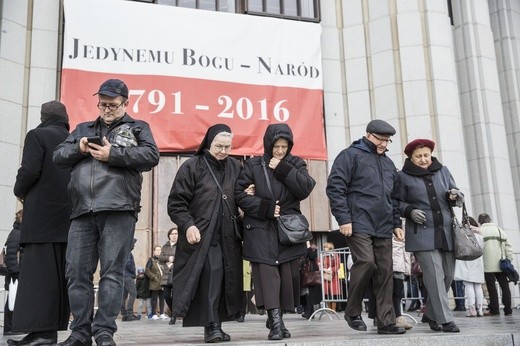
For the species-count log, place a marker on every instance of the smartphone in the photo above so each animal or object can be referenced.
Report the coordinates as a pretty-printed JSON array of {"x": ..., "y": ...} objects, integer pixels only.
[{"x": 95, "y": 140}]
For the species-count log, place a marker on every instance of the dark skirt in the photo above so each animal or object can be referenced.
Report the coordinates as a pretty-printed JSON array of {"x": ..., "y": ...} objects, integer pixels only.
[
  {"x": 277, "y": 286},
  {"x": 42, "y": 302}
]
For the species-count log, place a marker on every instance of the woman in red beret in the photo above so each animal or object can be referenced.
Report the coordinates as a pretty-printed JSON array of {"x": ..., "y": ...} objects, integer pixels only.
[{"x": 427, "y": 193}]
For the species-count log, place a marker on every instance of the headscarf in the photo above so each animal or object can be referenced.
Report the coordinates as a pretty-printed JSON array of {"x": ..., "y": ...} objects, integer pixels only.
[{"x": 212, "y": 132}]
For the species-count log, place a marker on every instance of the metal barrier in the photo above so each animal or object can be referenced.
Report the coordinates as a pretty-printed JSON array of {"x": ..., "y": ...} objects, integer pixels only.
[{"x": 334, "y": 280}]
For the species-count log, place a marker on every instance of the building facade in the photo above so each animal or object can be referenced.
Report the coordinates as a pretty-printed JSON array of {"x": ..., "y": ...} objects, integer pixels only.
[{"x": 447, "y": 70}]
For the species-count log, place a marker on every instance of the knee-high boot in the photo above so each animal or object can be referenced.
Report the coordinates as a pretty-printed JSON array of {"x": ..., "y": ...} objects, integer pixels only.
[{"x": 274, "y": 317}]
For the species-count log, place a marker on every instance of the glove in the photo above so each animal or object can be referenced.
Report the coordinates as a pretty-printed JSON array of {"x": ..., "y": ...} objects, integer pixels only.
[
  {"x": 418, "y": 216},
  {"x": 457, "y": 196}
]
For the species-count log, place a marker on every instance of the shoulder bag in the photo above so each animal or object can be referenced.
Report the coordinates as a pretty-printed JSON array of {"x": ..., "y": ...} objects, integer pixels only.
[
  {"x": 292, "y": 228},
  {"x": 237, "y": 227},
  {"x": 505, "y": 264},
  {"x": 465, "y": 244}
]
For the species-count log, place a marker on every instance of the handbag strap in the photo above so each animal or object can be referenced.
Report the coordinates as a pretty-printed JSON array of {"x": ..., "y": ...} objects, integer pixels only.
[
  {"x": 268, "y": 180},
  {"x": 223, "y": 195},
  {"x": 465, "y": 217}
]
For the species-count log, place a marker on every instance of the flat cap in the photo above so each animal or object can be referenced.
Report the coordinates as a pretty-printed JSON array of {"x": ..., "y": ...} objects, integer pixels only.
[
  {"x": 113, "y": 88},
  {"x": 380, "y": 127},
  {"x": 416, "y": 143}
]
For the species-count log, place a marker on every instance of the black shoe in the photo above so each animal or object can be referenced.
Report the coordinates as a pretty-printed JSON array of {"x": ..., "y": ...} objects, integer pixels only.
[
  {"x": 105, "y": 340},
  {"x": 212, "y": 333},
  {"x": 130, "y": 318},
  {"x": 240, "y": 317},
  {"x": 172, "y": 320},
  {"x": 225, "y": 336},
  {"x": 390, "y": 329},
  {"x": 433, "y": 324},
  {"x": 36, "y": 338},
  {"x": 73, "y": 341},
  {"x": 450, "y": 327},
  {"x": 356, "y": 323}
]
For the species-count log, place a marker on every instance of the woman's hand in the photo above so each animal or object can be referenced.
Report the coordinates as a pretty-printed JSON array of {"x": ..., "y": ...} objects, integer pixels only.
[
  {"x": 273, "y": 163},
  {"x": 193, "y": 235},
  {"x": 277, "y": 209},
  {"x": 250, "y": 190}
]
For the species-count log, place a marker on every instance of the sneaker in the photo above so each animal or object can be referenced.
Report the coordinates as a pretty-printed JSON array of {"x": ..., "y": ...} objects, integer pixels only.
[
  {"x": 150, "y": 316},
  {"x": 401, "y": 322},
  {"x": 155, "y": 317},
  {"x": 164, "y": 317}
]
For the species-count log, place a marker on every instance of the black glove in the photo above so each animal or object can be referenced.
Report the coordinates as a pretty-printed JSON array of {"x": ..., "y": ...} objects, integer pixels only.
[{"x": 418, "y": 216}]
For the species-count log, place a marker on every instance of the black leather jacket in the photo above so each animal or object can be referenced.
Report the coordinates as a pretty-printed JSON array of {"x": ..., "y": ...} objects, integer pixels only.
[{"x": 97, "y": 186}]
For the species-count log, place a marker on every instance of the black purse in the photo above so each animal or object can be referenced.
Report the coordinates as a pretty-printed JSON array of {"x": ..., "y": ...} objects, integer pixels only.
[
  {"x": 505, "y": 264},
  {"x": 292, "y": 228},
  {"x": 465, "y": 244}
]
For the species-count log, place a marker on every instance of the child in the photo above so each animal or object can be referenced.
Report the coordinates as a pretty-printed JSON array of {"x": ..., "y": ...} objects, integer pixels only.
[
  {"x": 154, "y": 273},
  {"x": 143, "y": 292}
]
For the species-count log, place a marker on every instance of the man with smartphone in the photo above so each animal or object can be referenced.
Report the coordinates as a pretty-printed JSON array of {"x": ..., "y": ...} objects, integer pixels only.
[{"x": 107, "y": 157}]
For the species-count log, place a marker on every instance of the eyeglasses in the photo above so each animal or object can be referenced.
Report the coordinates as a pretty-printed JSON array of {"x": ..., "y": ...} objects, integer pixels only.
[
  {"x": 220, "y": 147},
  {"x": 110, "y": 106},
  {"x": 385, "y": 140}
]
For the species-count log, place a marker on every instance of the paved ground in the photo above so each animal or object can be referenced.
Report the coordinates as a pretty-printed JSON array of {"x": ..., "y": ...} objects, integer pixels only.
[{"x": 329, "y": 330}]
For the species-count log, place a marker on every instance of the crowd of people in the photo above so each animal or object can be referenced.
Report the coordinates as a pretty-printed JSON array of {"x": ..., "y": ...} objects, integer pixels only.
[{"x": 225, "y": 214}]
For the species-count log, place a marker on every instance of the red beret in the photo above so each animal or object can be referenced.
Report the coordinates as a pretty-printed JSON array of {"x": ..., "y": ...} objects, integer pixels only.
[{"x": 410, "y": 147}]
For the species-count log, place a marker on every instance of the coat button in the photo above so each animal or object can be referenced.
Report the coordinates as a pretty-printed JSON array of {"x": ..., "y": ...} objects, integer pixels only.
[{"x": 248, "y": 226}]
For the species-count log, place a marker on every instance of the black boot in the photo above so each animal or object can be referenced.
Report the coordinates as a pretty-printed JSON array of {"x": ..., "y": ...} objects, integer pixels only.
[
  {"x": 275, "y": 323},
  {"x": 173, "y": 319},
  {"x": 212, "y": 333},
  {"x": 285, "y": 332},
  {"x": 225, "y": 336}
]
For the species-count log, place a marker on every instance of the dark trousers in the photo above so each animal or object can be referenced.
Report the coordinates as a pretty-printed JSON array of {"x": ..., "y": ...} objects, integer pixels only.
[
  {"x": 157, "y": 295},
  {"x": 457, "y": 287},
  {"x": 277, "y": 286},
  {"x": 372, "y": 258},
  {"x": 397, "y": 296},
  {"x": 167, "y": 290},
  {"x": 493, "y": 294}
]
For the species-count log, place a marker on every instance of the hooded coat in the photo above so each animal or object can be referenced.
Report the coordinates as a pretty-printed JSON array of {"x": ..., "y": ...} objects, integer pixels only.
[
  {"x": 290, "y": 182},
  {"x": 196, "y": 200}
]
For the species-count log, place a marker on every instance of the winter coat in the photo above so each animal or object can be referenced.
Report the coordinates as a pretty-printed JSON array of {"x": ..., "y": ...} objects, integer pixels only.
[
  {"x": 195, "y": 200},
  {"x": 97, "y": 186},
  {"x": 166, "y": 266},
  {"x": 400, "y": 258},
  {"x": 43, "y": 186},
  {"x": 362, "y": 188},
  {"x": 426, "y": 189},
  {"x": 142, "y": 286},
  {"x": 290, "y": 182},
  {"x": 13, "y": 254},
  {"x": 154, "y": 273},
  {"x": 471, "y": 271},
  {"x": 496, "y": 247}
]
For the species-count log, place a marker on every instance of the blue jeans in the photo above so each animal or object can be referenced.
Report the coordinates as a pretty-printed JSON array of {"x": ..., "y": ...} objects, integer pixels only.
[{"x": 106, "y": 237}]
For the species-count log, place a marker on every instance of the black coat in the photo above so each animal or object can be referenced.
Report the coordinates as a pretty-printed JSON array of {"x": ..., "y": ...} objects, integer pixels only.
[
  {"x": 363, "y": 189},
  {"x": 13, "y": 254},
  {"x": 290, "y": 182},
  {"x": 195, "y": 200},
  {"x": 43, "y": 186}
]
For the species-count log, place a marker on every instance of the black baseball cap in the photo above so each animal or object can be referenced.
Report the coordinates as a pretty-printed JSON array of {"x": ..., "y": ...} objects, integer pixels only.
[{"x": 113, "y": 88}]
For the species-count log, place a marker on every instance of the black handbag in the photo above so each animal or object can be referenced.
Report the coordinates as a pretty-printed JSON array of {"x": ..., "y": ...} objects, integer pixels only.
[
  {"x": 465, "y": 244},
  {"x": 292, "y": 228}
]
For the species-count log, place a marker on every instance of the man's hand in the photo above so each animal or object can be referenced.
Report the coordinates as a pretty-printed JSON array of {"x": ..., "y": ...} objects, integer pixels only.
[
  {"x": 346, "y": 229},
  {"x": 418, "y": 216},
  {"x": 100, "y": 152},
  {"x": 193, "y": 235},
  {"x": 399, "y": 233}
]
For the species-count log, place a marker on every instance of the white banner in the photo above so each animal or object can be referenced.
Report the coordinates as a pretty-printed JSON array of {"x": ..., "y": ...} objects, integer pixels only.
[{"x": 188, "y": 69}]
